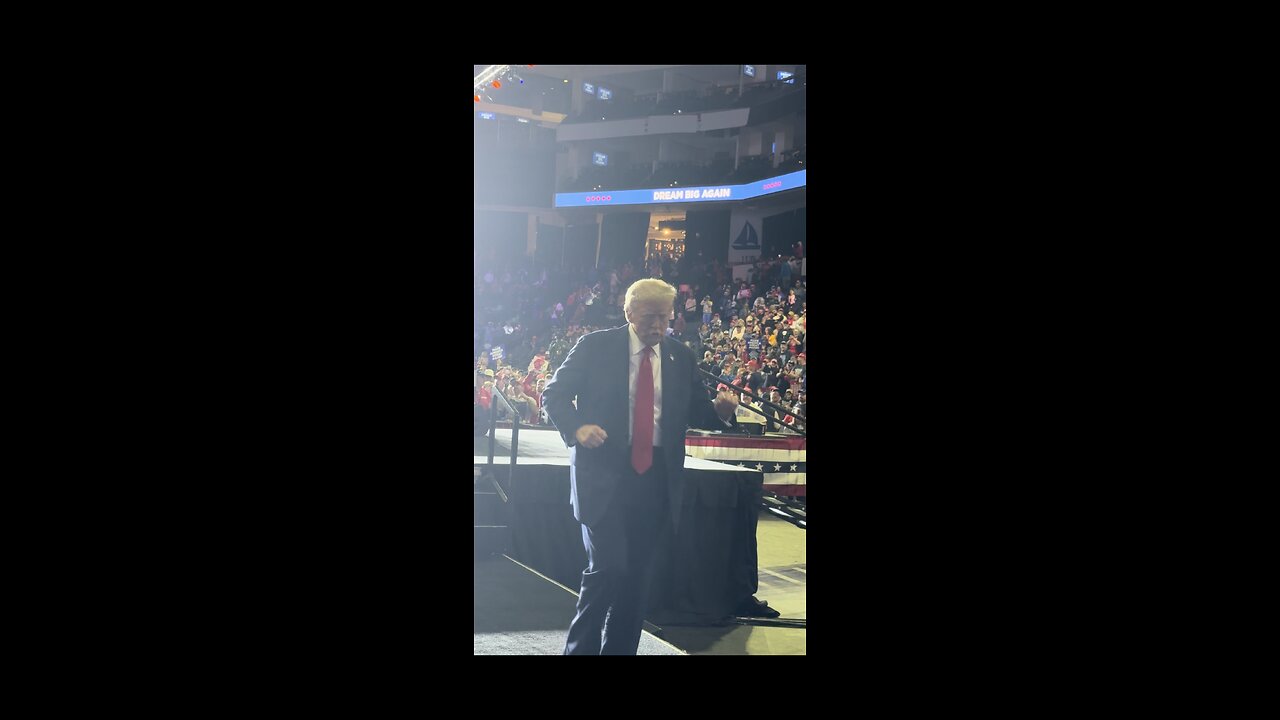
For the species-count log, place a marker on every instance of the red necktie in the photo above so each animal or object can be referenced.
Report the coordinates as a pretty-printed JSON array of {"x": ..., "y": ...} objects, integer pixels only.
[{"x": 642, "y": 422}]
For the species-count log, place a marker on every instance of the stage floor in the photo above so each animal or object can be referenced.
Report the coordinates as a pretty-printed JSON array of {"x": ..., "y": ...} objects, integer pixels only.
[
  {"x": 517, "y": 611},
  {"x": 703, "y": 572}
]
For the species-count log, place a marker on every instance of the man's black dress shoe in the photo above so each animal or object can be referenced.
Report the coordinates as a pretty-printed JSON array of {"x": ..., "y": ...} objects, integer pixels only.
[{"x": 751, "y": 607}]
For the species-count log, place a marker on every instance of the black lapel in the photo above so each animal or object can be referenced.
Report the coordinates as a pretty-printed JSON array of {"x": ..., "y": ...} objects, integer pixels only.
[
  {"x": 619, "y": 367},
  {"x": 670, "y": 388}
]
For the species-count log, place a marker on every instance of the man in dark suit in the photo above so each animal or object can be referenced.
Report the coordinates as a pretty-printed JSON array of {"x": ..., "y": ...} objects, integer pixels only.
[{"x": 637, "y": 392}]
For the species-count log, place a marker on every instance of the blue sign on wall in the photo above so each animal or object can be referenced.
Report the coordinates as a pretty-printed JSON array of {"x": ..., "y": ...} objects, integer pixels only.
[{"x": 709, "y": 193}]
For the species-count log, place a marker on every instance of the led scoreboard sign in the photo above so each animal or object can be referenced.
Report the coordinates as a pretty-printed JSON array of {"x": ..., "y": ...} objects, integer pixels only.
[{"x": 707, "y": 193}]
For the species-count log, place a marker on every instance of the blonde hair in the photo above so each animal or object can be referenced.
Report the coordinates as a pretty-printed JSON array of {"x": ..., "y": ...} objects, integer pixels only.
[{"x": 649, "y": 290}]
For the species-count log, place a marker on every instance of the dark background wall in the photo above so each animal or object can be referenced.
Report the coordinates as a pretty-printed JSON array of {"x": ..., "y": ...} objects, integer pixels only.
[
  {"x": 580, "y": 247},
  {"x": 782, "y": 231},
  {"x": 623, "y": 239},
  {"x": 514, "y": 163},
  {"x": 499, "y": 237},
  {"x": 707, "y": 231}
]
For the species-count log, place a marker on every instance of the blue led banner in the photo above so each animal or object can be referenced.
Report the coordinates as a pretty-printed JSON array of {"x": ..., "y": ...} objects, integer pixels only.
[{"x": 709, "y": 193}]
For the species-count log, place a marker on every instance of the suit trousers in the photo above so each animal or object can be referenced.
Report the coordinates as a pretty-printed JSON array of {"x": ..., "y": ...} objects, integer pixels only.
[{"x": 620, "y": 553}]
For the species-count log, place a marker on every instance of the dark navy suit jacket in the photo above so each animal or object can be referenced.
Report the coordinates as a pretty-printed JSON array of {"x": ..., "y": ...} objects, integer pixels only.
[{"x": 596, "y": 374}]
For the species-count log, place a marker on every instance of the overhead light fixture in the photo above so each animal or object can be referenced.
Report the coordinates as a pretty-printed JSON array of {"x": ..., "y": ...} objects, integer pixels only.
[{"x": 488, "y": 75}]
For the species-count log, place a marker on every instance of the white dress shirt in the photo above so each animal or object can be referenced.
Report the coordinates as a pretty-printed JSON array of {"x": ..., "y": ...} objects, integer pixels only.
[{"x": 633, "y": 371}]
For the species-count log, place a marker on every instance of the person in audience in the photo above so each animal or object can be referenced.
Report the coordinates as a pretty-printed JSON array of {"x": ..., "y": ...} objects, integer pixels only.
[
  {"x": 755, "y": 380},
  {"x": 486, "y": 390},
  {"x": 708, "y": 362},
  {"x": 523, "y": 404},
  {"x": 775, "y": 413},
  {"x": 751, "y": 422},
  {"x": 539, "y": 361}
]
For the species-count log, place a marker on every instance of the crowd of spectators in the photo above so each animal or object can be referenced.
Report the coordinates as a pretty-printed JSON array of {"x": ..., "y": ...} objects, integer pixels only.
[{"x": 752, "y": 333}]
